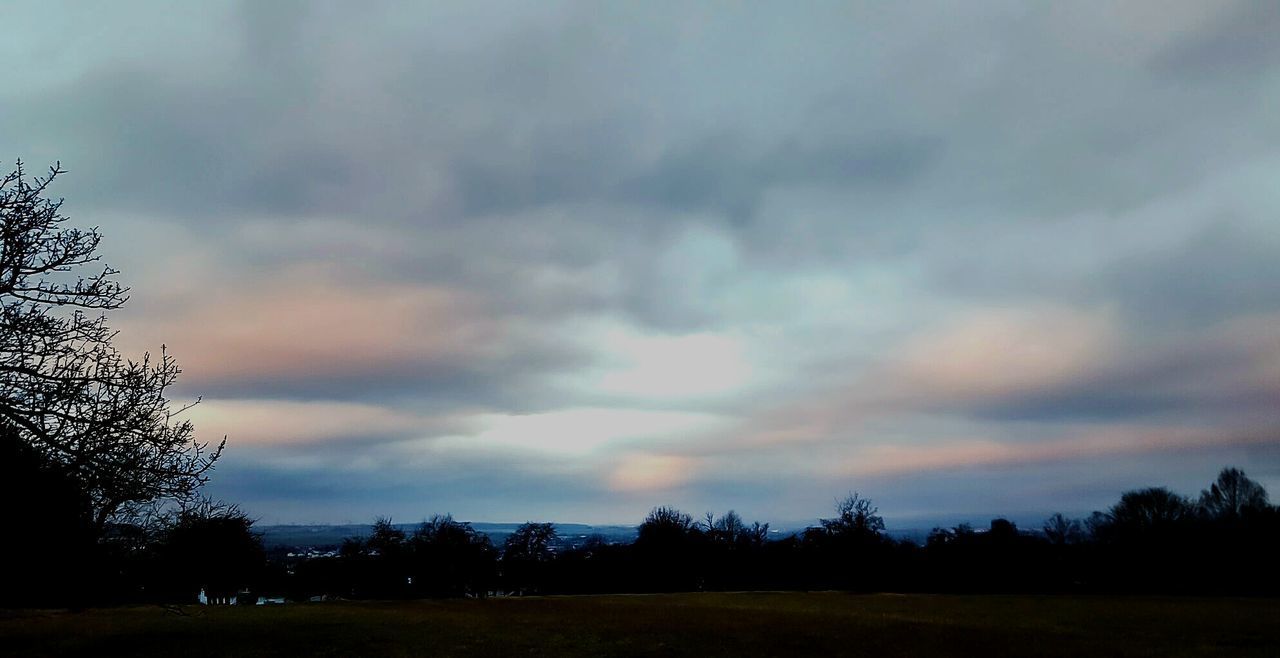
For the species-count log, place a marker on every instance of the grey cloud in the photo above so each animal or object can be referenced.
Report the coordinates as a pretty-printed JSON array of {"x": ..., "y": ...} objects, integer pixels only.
[
  {"x": 1208, "y": 375},
  {"x": 549, "y": 160},
  {"x": 1223, "y": 270},
  {"x": 481, "y": 488},
  {"x": 138, "y": 141},
  {"x": 1241, "y": 40},
  {"x": 719, "y": 175},
  {"x": 512, "y": 385}
]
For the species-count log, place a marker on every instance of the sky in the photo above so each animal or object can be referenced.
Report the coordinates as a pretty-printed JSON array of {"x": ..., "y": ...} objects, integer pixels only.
[{"x": 569, "y": 261}]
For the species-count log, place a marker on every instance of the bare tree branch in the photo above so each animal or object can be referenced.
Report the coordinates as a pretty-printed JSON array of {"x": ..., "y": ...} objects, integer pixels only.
[{"x": 63, "y": 386}]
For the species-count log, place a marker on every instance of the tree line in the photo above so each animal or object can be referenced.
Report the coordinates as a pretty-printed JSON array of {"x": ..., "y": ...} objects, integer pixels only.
[
  {"x": 101, "y": 477},
  {"x": 1151, "y": 540}
]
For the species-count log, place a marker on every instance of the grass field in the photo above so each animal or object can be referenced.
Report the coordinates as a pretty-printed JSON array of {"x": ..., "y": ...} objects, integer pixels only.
[{"x": 792, "y": 624}]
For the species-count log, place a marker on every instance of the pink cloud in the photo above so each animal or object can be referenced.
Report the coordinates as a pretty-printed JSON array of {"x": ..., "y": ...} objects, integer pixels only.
[
  {"x": 291, "y": 423},
  {"x": 922, "y": 408},
  {"x": 982, "y": 356},
  {"x": 300, "y": 326},
  {"x": 999, "y": 352},
  {"x": 890, "y": 459},
  {"x": 651, "y": 472}
]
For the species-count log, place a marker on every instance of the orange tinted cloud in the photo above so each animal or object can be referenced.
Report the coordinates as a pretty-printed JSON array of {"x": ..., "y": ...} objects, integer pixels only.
[
  {"x": 889, "y": 459},
  {"x": 651, "y": 472},
  {"x": 1005, "y": 351},
  {"x": 297, "y": 327},
  {"x": 286, "y": 423},
  {"x": 985, "y": 355}
]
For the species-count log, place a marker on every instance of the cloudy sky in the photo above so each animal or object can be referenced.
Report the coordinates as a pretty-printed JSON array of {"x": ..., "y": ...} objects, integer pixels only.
[{"x": 569, "y": 261}]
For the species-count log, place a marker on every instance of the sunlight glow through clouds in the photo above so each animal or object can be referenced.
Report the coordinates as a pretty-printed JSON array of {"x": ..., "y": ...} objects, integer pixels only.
[
  {"x": 581, "y": 431},
  {"x": 657, "y": 367},
  {"x": 676, "y": 366},
  {"x": 1005, "y": 351},
  {"x": 645, "y": 472}
]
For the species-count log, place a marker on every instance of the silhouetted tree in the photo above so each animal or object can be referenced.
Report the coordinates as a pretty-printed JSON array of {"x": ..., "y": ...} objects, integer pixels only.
[
  {"x": 451, "y": 559},
  {"x": 443, "y": 530},
  {"x": 731, "y": 531},
  {"x": 839, "y": 549},
  {"x": 734, "y": 555},
  {"x": 525, "y": 555},
  {"x": 666, "y": 526},
  {"x": 1144, "y": 512},
  {"x": 103, "y": 419},
  {"x": 668, "y": 549},
  {"x": 48, "y": 551},
  {"x": 1002, "y": 530},
  {"x": 208, "y": 545},
  {"x": 1239, "y": 530},
  {"x": 375, "y": 566},
  {"x": 1060, "y": 530},
  {"x": 1232, "y": 495},
  {"x": 531, "y": 542},
  {"x": 352, "y": 548},
  {"x": 385, "y": 539},
  {"x": 856, "y": 518},
  {"x": 1147, "y": 539},
  {"x": 1096, "y": 525},
  {"x": 1151, "y": 540}
]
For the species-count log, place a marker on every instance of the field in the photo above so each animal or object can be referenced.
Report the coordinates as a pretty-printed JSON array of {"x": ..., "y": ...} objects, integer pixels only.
[{"x": 793, "y": 624}]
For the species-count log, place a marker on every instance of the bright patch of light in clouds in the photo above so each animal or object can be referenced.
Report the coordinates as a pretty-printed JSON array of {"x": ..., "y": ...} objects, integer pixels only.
[
  {"x": 668, "y": 367},
  {"x": 583, "y": 431},
  {"x": 651, "y": 473},
  {"x": 1007, "y": 351}
]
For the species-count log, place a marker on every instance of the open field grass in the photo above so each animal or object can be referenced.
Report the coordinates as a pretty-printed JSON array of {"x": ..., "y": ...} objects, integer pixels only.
[{"x": 792, "y": 624}]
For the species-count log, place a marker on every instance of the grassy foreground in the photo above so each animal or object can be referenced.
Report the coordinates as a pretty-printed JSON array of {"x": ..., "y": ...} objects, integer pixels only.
[{"x": 677, "y": 624}]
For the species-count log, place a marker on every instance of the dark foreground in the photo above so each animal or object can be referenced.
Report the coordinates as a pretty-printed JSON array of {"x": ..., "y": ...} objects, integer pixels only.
[{"x": 678, "y": 624}]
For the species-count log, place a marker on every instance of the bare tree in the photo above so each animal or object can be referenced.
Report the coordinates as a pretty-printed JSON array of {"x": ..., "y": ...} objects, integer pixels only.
[
  {"x": 64, "y": 388},
  {"x": 1142, "y": 514},
  {"x": 532, "y": 542},
  {"x": 450, "y": 558},
  {"x": 1060, "y": 530},
  {"x": 526, "y": 556},
  {"x": 666, "y": 527},
  {"x": 386, "y": 539},
  {"x": 858, "y": 518},
  {"x": 731, "y": 530},
  {"x": 1231, "y": 495},
  {"x": 210, "y": 545}
]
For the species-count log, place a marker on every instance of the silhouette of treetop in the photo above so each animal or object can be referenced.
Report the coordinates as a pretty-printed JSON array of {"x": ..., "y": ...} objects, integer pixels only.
[{"x": 64, "y": 388}]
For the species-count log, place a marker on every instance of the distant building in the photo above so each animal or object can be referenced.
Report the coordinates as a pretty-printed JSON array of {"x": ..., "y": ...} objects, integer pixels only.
[{"x": 221, "y": 599}]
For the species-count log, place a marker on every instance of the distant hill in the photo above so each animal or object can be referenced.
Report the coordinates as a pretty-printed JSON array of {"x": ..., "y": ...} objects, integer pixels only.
[
  {"x": 574, "y": 534},
  {"x": 314, "y": 536}
]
